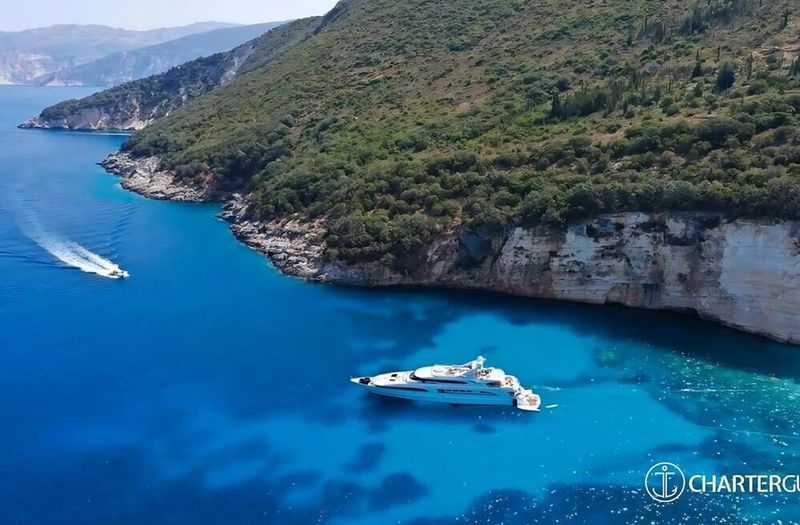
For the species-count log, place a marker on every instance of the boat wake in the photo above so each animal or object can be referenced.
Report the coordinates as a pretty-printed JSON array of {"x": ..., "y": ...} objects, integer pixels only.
[{"x": 74, "y": 255}]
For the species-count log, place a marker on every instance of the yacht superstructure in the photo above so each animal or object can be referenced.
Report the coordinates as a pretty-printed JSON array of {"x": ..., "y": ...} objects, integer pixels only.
[{"x": 467, "y": 384}]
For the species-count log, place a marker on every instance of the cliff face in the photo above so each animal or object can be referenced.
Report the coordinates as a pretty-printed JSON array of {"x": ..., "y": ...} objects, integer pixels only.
[
  {"x": 122, "y": 117},
  {"x": 744, "y": 274}
]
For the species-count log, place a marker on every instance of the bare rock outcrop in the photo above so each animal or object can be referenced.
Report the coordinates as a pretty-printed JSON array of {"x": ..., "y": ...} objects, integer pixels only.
[
  {"x": 744, "y": 274},
  {"x": 145, "y": 176}
]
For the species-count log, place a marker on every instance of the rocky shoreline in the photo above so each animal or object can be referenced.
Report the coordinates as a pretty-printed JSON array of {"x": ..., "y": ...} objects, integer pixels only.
[
  {"x": 145, "y": 177},
  {"x": 39, "y": 123},
  {"x": 293, "y": 246},
  {"x": 87, "y": 120},
  {"x": 743, "y": 274}
]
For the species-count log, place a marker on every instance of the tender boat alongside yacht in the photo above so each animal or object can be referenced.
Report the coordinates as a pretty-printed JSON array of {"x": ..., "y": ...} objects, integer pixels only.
[{"x": 467, "y": 384}]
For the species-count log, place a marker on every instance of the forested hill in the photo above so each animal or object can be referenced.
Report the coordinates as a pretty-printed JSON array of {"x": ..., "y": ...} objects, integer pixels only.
[
  {"x": 135, "y": 104},
  {"x": 397, "y": 120}
]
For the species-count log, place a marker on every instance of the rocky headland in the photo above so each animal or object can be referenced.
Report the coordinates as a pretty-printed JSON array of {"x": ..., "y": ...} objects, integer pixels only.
[
  {"x": 144, "y": 176},
  {"x": 744, "y": 274},
  {"x": 137, "y": 104},
  {"x": 92, "y": 119}
]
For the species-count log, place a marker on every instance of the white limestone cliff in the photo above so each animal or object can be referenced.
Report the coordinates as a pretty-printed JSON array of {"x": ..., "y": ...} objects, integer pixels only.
[{"x": 744, "y": 274}]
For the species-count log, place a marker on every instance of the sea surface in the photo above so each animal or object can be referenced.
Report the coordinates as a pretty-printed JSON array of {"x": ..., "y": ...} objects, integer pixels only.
[{"x": 210, "y": 389}]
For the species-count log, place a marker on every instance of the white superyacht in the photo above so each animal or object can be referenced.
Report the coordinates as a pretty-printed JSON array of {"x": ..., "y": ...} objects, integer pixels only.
[{"x": 467, "y": 384}]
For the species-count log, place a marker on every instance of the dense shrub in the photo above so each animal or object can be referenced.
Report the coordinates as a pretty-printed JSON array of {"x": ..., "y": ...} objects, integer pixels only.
[{"x": 487, "y": 114}]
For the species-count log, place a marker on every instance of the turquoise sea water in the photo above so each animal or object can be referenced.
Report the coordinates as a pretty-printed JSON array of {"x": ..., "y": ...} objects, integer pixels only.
[{"x": 209, "y": 389}]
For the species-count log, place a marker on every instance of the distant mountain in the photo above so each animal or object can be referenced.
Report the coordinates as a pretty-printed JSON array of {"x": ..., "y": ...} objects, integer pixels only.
[
  {"x": 125, "y": 66},
  {"x": 136, "y": 104},
  {"x": 26, "y": 55}
]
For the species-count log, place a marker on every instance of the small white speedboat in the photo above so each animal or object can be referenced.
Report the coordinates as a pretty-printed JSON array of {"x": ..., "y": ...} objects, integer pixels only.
[
  {"x": 118, "y": 273},
  {"x": 467, "y": 384}
]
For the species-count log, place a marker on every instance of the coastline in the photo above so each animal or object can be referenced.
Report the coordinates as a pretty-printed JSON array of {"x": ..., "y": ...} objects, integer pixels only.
[
  {"x": 293, "y": 247},
  {"x": 144, "y": 177},
  {"x": 741, "y": 274}
]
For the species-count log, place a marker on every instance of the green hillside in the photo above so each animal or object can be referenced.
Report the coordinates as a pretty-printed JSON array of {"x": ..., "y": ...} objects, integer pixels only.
[{"x": 397, "y": 120}]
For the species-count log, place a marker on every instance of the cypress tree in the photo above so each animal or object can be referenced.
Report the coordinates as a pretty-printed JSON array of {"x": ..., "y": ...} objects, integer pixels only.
[
  {"x": 698, "y": 69},
  {"x": 555, "y": 111},
  {"x": 725, "y": 77}
]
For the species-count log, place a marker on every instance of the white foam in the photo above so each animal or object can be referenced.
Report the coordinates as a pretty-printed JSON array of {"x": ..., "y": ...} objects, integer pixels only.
[
  {"x": 92, "y": 257},
  {"x": 70, "y": 253}
]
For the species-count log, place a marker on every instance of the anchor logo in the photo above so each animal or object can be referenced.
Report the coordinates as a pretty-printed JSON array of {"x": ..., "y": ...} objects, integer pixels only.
[{"x": 664, "y": 482}]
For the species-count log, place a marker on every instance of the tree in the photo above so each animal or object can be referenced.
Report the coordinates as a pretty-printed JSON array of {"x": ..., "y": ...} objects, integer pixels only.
[
  {"x": 693, "y": 24},
  {"x": 555, "y": 111},
  {"x": 794, "y": 67},
  {"x": 725, "y": 77},
  {"x": 698, "y": 69}
]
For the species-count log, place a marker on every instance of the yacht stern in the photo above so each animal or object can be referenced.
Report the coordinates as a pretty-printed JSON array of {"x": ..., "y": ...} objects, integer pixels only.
[{"x": 527, "y": 400}]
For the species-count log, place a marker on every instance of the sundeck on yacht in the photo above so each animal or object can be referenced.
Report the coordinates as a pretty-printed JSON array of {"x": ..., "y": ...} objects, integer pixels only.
[{"x": 467, "y": 384}]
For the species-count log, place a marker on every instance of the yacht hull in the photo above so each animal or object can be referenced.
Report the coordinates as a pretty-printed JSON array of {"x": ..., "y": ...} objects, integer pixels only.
[{"x": 501, "y": 398}]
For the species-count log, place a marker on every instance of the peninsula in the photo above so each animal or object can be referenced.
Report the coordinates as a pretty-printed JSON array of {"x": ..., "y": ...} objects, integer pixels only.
[{"x": 642, "y": 153}]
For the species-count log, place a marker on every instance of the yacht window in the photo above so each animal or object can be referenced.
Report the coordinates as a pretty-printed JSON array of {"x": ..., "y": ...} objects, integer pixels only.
[
  {"x": 462, "y": 391},
  {"x": 403, "y": 388}
]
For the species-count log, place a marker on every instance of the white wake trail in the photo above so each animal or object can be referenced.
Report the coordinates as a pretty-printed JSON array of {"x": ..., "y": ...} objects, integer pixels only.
[
  {"x": 92, "y": 257},
  {"x": 65, "y": 252},
  {"x": 68, "y": 252}
]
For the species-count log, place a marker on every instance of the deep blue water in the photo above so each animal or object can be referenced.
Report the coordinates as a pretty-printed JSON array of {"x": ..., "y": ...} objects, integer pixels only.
[{"x": 209, "y": 389}]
